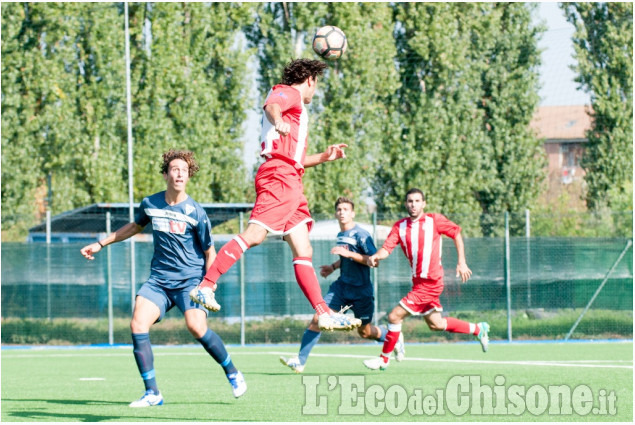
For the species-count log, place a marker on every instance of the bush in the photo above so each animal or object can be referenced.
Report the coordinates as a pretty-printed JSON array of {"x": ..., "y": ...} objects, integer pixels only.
[{"x": 526, "y": 324}]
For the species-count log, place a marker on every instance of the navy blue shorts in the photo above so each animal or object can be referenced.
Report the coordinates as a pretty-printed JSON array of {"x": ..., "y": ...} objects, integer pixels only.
[
  {"x": 361, "y": 298},
  {"x": 177, "y": 294}
]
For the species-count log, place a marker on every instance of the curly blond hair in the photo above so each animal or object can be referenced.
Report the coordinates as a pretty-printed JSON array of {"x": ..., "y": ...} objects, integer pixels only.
[{"x": 186, "y": 156}]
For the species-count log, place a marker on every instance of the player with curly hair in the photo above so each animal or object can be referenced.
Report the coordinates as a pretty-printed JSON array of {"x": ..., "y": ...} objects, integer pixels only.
[
  {"x": 281, "y": 207},
  {"x": 183, "y": 251}
]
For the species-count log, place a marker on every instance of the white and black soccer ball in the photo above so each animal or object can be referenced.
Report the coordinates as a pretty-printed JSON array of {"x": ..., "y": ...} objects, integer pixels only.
[{"x": 329, "y": 42}]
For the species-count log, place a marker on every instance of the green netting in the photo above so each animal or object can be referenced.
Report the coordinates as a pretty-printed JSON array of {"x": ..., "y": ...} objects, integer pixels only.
[{"x": 548, "y": 275}]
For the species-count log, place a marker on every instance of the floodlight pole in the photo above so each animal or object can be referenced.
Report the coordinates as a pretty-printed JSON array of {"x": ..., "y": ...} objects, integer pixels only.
[{"x": 130, "y": 162}]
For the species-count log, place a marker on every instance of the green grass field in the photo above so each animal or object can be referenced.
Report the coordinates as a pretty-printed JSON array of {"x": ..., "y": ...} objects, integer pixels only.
[{"x": 436, "y": 382}]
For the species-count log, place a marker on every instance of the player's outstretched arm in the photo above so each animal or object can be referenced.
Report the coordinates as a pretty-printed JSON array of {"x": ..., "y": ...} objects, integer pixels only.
[
  {"x": 462, "y": 270},
  {"x": 118, "y": 235},
  {"x": 373, "y": 260},
  {"x": 331, "y": 153}
]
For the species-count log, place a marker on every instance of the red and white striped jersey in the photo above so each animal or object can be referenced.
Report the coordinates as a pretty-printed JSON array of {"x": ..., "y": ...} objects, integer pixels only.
[
  {"x": 421, "y": 242},
  {"x": 292, "y": 147}
]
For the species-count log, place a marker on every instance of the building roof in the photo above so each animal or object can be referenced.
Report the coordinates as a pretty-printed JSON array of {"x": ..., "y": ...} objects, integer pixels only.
[
  {"x": 92, "y": 218},
  {"x": 557, "y": 123}
]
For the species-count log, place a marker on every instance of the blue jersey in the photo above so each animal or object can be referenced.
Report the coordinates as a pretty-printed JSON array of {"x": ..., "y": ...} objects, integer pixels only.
[
  {"x": 182, "y": 233},
  {"x": 355, "y": 240}
]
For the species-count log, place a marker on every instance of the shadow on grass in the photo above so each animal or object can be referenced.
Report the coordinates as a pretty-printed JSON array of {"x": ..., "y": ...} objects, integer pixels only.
[{"x": 43, "y": 415}]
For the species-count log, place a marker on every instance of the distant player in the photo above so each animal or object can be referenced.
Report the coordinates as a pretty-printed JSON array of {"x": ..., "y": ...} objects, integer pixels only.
[
  {"x": 353, "y": 287},
  {"x": 281, "y": 207},
  {"x": 419, "y": 235},
  {"x": 183, "y": 250}
]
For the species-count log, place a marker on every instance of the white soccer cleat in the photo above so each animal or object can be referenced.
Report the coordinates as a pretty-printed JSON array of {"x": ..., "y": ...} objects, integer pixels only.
[
  {"x": 237, "y": 381},
  {"x": 205, "y": 297},
  {"x": 400, "y": 348},
  {"x": 148, "y": 399},
  {"x": 483, "y": 335},
  {"x": 293, "y": 363},
  {"x": 377, "y": 363},
  {"x": 338, "y": 321}
]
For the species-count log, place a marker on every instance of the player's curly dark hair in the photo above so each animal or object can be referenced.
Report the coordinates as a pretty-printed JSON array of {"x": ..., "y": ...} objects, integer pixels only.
[
  {"x": 186, "y": 156},
  {"x": 298, "y": 70}
]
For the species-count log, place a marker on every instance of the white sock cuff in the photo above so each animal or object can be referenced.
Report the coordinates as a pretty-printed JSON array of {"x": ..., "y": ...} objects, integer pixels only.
[
  {"x": 241, "y": 243},
  {"x": 394, "y": 328}
]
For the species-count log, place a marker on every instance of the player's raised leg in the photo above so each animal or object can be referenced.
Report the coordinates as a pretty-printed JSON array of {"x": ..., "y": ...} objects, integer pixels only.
[
  {"x": 450, "y": 324},
  {"x": 305, "y": 275},
  {"x": 226, "y": 257}
]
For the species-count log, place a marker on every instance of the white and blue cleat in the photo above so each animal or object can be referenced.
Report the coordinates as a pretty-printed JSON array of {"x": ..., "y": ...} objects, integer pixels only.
[
  {"x": 148, "y": 399},
  {"x": 205, "y": 297},
  {"x": 293, "y": 363},
  {"x": 237, "y": 381},
  {"x": 483, "y": 335}
]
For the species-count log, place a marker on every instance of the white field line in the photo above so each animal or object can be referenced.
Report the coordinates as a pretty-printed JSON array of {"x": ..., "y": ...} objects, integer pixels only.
[
  {"x": 494, "y": 362},
  {"x": 554, "y": 363}
]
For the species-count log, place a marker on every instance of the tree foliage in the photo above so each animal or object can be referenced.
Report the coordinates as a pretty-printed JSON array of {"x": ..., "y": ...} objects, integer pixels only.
[
  {"x": 603, "y": 44},
  {"x": 64, "y": 105},
  {"x": 469, "y": 83}
]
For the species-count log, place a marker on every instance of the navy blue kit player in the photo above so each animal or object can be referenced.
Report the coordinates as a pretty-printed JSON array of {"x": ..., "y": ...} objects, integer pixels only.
[
  {"x": 353, "y": 287},
  {"x": 183, "y": 251}
]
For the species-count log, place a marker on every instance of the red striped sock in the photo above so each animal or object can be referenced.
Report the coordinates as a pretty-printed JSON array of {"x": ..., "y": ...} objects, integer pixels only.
[
  {"x": 308, "y": 282},
  {"x": 457, "y": 326},
  {"x": 228, "y": 255}
]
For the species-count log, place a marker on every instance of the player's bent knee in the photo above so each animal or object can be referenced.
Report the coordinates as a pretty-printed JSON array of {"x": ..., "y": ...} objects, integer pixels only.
[{"x": 365, "y": 332}]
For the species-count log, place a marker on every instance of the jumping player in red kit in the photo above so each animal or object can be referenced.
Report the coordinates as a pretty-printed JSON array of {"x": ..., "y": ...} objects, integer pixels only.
[
  {"x": 281, "y": 207},
  {"x": 419, "y": 235}
]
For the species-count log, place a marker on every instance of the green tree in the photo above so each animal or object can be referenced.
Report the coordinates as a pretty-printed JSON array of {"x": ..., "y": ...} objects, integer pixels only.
[
  {"x": 190, "y": 91},
  {"x": 603, "y": 44},
  {"x": 469, "y": 88},
  {"x": 61, "y": 107}
]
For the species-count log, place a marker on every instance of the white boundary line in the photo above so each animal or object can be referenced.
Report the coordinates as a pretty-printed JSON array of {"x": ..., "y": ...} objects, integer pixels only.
[{"x": 554, "y": 363}]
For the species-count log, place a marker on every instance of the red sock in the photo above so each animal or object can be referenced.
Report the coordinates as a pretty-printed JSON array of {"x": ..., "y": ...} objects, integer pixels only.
[
  {"x": 459, "y": 326},
  {"x": 391, "y": 339},
  {"x": 308, "y": 282},
  {"x": 226, "y": 257}
]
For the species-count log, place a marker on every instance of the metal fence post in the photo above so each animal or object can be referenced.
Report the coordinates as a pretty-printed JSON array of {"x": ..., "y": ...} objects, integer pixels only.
[
  {"x": 48, "y": 264},
  {"x": 508, "y": 279},
  {"x": 375, "y": 283},
  {"x": 111, "y": 324},
  {"x": 528, "y": 245},
  {"x": 242, "y": 288}
]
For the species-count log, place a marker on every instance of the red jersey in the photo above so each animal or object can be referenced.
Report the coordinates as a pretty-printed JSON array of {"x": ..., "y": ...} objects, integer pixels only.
[
  {"x": 421, "y": 242},
  {"x": 292, "y": 147}
]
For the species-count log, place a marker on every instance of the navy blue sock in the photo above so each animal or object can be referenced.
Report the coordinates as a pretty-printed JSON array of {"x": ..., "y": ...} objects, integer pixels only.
[
  {"x": 309, "y": 339},
  {"x": 383, "y": 331},
  {"x": 213, "y": 344},
  {"x": 145, "y": 360}
]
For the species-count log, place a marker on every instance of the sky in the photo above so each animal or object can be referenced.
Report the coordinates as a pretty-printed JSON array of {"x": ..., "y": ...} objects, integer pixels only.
[
  {"x": 558, "y": 87},
  {"x": 556, "y": 77}
]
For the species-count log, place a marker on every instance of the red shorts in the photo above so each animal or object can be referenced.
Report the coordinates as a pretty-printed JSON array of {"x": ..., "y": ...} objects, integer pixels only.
[
  {"x": 423, "y": 299},
  {"x": 280, "y": 202}
]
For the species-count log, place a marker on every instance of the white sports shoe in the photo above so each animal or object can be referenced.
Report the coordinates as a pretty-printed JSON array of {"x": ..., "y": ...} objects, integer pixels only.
[
  {"x": 237, "y": 381},
  {"x": 148, "y": 399},
  {"x": 377, "y": 363},
  {"x": 400, "y": 348},
  {"x": 483, "y": 335},
  {"x": 338, "y": 321},
  {"x": 293, "y": 363},
  {"x": 205, "y": 297}
]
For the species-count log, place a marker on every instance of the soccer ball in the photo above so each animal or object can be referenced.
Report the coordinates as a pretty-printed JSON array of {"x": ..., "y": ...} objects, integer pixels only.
[{"x": 329, "y": 42}]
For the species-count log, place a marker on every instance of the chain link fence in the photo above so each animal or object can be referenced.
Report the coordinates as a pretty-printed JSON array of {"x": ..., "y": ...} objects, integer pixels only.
[{"x": 539, "y": 291}]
